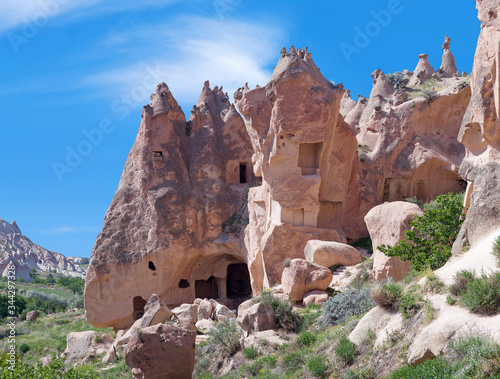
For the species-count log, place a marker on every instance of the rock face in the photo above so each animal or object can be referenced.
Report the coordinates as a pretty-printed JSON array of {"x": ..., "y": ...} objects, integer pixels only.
[
  {"x": 160, "y": 352},
  {"x": 480, "y": 133},
  {"x": 305, "y": 155},
  {"x": 18, "y": 250},
  {"x": 173, "y": 225},
  {"x": 409, "y": 148},
  {"x": 387, "y": 224}
]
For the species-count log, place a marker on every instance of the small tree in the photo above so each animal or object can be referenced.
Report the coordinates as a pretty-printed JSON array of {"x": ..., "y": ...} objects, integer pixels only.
[
  {"x": 397, "y": 80},
  {"x": 429, "y": 241}
]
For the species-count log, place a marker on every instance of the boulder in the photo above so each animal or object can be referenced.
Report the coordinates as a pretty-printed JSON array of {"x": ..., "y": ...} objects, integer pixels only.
[
  {"x": 387, "y": 224},
  {"x": 110, "y": 356},
  {"x": 32, "y": 316},
  {"x": 161, "y": 351},
  {"x": 245, "y": 305},
  {"x": 81, "y": 344},
  {"x": 45, "y": 361},
  {"x": 222, "y": 313},
  {"x": 315, "y": 297},
  {"x": 205, "y": 309},
  {"x": 205, "y": 325},
  {"x": 328, "y": 253},
  {"x": 301, "y": 277},
  {"x": 187, "y": 315},
  {"x": 264, "y": 337},
  {"x": 379, "y": 320},
  {"x": 155, "y": 312},
  {"x": 257, "y": 318}
]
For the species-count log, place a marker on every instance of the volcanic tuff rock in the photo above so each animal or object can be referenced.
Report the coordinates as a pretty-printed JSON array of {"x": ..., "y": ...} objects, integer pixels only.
[
  {"x": 18, "y": 250},
  {"x": 480, "y": 133},
  {"x": 306, "y": 156},
  {"x": 172, "y": 227},
  {"x": 212, "y": 207},
  {"x": 409, "y": 148}
]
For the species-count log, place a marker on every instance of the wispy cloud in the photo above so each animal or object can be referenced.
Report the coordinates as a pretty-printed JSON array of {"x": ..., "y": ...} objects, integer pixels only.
[
  {"x": 190, "y": 50},
  {"x": 13, "y": 14},
  {"x": 63, "y": 229}
]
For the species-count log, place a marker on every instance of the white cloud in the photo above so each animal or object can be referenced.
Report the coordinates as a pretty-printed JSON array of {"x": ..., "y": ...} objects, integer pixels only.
[
  {"x": 189, "y": 51},
  {"x": 13, "y": 14}
]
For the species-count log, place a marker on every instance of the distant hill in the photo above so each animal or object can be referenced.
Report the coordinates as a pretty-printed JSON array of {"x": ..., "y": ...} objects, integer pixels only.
[{"x": 19, "y": 250}]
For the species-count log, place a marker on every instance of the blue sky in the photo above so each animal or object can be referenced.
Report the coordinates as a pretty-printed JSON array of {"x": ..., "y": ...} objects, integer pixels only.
[{"x": 75, "y": 74}]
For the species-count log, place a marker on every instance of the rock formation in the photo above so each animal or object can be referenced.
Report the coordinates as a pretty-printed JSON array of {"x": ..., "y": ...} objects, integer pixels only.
[
  {"x": 448, "y": 67},
  {"x": 409, "y": 148},
  {"x": 18, "y": 250},
  {"x": 387, "y": 224},
  {"x": 173, "y": 225},
  {"x": 480, "y": 133},
  {"x": 290, "y": 169},
  {"x": 306, "y": 156}
]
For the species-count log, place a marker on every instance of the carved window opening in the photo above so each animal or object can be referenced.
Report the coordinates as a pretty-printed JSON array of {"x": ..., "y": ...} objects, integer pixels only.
[
  {"x": 206, "y": 289},
  {"x": 138, "y": 303},
  {"x": 151, "y": 266},
  {"x": 238, "y": 281},
  {"x": 157, "y": 155},
  {"x": 243, "y": 173},
  {"x": 309, "y": 157},
  {"x": 183, "y": 283}
]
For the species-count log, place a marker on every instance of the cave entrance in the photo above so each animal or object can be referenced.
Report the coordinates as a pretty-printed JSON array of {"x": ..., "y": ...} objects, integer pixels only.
[
  {"x": 206, "y": 289},
  {"x": 238, "y": 281},
  {"x": 139, "y": 303}
]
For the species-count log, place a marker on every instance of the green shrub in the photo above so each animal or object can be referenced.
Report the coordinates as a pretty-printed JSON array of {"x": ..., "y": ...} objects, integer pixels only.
[
  {"x": 317, "y": 366},
  {"x": 226, "y": 335},
  {"x": 366, "y": 373},
  {"x": 430, "y": 369},
  {"x": 397, "y": 80},
  {"x": 251, "y": 352},
  {"x": 496, "y": 249},
  {"x": 434, "y": 284},
  {"x": 386, "y": 295},
  {"x": 409, "y": 304},
  {"x": 346, "y": 350},
  {"x": 24, "y": 348},
  {"x": 306, "y": 339},
  {"x": 460, "y": 281},
  {"x": 482, "y": 295},
  {"x": 293, "y": 360},
  {"x": 56, "y": 369},
  {"x": 450, "y": 300},
  {"x": 269, "y": 360},
  {"x": 351, "y": 302},
  {"x": 429, "y": 241},
  {"x": 283, "y": 311},
  {"x": 477, "y": 354}
]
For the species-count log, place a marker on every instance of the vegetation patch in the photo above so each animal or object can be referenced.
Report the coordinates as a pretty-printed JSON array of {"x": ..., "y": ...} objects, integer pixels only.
[
  {"x": 428, "y": 243},
  {"x": 351, "y": 302}
]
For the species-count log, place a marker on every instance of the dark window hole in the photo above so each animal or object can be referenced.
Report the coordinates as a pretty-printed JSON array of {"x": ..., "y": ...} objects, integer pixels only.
[
  {"x": 183, "y": 283},
  {"x": 151, "y": 266}
]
